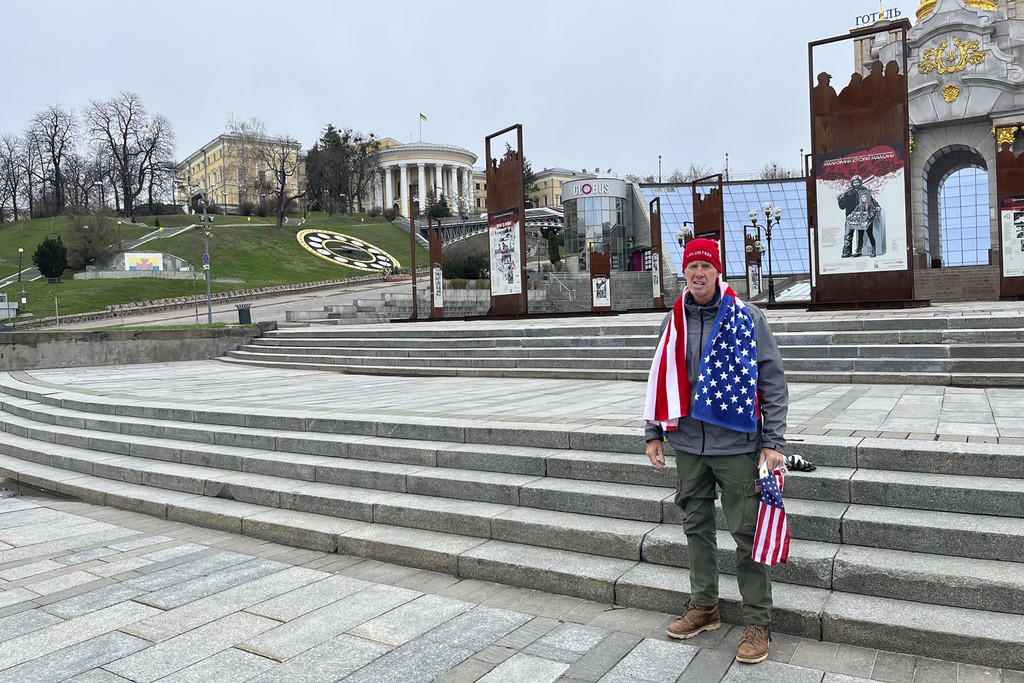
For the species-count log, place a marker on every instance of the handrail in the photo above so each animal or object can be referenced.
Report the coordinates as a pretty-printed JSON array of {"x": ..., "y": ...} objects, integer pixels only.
[{"x": 572, "y": 292}]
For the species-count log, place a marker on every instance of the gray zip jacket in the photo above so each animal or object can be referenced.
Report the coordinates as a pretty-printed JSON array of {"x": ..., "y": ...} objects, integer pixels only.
[{"x": 702, "y": 438}]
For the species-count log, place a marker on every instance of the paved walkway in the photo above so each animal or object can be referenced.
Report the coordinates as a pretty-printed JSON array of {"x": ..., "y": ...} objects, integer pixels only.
[
  {"x": 862, "y": 410},
  {"x": 103, "y": 595}
]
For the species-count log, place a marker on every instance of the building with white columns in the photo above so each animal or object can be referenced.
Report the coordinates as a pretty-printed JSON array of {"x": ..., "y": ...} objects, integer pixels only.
[{"x": 411, "y": 172}]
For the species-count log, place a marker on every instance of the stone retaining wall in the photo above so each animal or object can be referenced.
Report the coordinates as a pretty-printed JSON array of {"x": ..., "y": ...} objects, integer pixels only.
[{"x": 35, "y": 350}]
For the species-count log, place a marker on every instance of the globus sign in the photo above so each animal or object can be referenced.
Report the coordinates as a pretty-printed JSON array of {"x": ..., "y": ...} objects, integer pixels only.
[{"x": 594, "y": 187}]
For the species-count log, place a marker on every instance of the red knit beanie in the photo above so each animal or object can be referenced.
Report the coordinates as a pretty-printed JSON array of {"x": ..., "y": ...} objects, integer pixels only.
[{"x": 701, "y": 249}]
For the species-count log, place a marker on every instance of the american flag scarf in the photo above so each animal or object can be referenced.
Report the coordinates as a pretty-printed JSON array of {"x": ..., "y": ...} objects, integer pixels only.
[
  {"x": 771, "y": 536},
  {"x": 726, "y": 392}
]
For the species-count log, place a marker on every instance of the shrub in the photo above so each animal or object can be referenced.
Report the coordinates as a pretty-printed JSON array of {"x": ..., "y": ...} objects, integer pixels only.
[
  {"x": 246, "y": 208},
  {"x": 374, "y": 212},
  {"x": 51, "y": 257},
  {"x": 466, "y": 261},
  {"x": 90, "y": 240},
  {"x": 390, "y": 214}
]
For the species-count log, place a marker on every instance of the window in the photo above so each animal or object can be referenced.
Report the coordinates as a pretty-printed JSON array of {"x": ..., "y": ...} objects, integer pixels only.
[
  {"x": 478, "y": 202},
  {"x": 478, "y": 186}
]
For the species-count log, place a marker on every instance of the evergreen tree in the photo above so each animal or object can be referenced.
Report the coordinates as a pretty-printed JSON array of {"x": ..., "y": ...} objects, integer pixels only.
[
  {"x": 51, "y": 257},
  {"x": 553, "y": 253}
]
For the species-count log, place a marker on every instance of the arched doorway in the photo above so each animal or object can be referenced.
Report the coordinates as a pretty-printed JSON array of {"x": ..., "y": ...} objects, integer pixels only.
[{"x": 956, "y": 198}]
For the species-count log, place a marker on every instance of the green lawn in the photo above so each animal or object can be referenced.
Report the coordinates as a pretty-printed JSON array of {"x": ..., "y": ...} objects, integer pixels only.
[
  {"x": 250, "y": 255},
  {"x": 28, "y": 235}
]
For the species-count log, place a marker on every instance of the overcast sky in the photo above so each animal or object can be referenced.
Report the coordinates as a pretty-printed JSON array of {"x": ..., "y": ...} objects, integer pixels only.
[{"x": 593, "y": 82}]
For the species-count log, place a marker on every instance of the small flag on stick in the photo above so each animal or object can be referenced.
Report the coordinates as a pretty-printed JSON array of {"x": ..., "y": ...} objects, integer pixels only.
[
  {"x": 422, "y": 117},
  {"x": 771, "y": 537}
]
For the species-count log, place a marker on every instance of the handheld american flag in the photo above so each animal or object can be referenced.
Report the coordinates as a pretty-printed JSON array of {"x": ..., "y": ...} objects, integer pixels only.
[{"x": 771, "y": 537}]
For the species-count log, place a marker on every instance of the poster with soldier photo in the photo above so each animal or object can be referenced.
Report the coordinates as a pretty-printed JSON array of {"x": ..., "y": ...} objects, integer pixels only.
[
  {"x": 861, "y": 210},
  {"x": 1012, "y": 223},
  {"x": 504, "y": 239}
]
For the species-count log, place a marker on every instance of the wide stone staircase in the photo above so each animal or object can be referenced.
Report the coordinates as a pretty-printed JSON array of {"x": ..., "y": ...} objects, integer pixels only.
[
  {"x": 980, "y": 350},
  {"x": 913, "y": 546}
]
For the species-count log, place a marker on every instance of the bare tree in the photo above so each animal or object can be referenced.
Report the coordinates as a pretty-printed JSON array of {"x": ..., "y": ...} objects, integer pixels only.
[
  {"x": 122, "y": 129},
  {"x": 772, "y": 171},
  {"x": 12, "y": 178},
  {"x": 53, "y": 130},
  {"x": 273, "y": 162}
]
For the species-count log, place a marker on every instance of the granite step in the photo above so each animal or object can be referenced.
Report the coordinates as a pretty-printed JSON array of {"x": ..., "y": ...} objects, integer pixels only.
[
  {"x": 455, "y": 360},
  {"x": 426, "y": 371},
  {"x": 596, "y": 453},
  {"x": 972, "y": 635}
]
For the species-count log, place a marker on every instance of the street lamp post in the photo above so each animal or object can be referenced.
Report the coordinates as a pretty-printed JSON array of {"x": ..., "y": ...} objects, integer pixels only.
[
  {"x": 772, "y": 216},
  {"x": 206, "y": 256},
  {"x": 659, "y": 168},
  {"x": 20, "y": 252}
]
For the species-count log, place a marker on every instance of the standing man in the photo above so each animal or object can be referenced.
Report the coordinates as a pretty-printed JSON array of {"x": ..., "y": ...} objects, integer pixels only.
[{"x": 718, "y": 395}]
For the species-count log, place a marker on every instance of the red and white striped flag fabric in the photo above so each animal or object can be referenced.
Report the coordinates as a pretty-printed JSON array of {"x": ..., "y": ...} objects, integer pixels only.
[{"x": 771, "y": 537}]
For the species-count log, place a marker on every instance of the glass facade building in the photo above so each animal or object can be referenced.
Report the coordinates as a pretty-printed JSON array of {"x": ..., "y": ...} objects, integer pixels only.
[
  {"x": 790, "y": 252},
  {"x": 596, "y": 223},
  {"x": 964, "y": 202}
]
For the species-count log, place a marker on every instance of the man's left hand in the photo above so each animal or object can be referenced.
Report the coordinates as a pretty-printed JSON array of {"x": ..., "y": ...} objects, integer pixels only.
[{"x": 772, "y": 457}]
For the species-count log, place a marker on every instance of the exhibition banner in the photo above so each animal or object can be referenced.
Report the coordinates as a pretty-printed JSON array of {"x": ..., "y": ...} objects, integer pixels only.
[
  {"x": 1012, "y": 225},
  {"x": 504, "y": 238},
  {"x": 861, "y": 209}
]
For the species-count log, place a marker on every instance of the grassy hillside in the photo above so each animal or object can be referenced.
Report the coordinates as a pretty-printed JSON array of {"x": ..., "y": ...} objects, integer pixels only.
[{"x": 243, "y": 254}]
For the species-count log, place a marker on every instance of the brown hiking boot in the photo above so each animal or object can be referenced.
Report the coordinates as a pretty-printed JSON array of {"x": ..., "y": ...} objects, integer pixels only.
[
  {"x": 753, "y": 647},
  {"x": 695, "y": 620}
]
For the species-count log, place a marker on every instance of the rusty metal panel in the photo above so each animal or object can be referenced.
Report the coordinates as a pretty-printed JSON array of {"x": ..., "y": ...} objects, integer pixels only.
[
  {"x": 506, "y": 206},
  {"x": 709, "y": 213},
  {"x": 436, "y": 271},
  {"x": 600, "y": 278},
  {"x": 657, "y": 267},
  {"x": 1010, "y": 191},
  {"x": 865, "y": 121}
]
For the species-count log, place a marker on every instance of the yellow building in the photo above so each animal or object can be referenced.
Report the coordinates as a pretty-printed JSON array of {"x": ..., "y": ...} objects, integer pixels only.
[
  {"x": 232, "y": 169},
  {"x": 546, "y": 192}
]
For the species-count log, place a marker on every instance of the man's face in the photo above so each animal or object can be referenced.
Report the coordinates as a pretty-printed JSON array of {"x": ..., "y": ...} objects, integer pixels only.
[
  {"x": 856, "y": 183},
  {"x": 702, "y": 280}
]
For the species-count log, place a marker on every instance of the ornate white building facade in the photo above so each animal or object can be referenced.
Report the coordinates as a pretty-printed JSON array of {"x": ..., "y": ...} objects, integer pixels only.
[{"x": 412, "y": 172}]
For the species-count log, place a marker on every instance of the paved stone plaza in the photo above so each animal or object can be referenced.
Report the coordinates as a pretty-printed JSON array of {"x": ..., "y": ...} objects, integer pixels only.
[
  {"x": 104, "y": 595},
  {"x": 93, "y": 593}
]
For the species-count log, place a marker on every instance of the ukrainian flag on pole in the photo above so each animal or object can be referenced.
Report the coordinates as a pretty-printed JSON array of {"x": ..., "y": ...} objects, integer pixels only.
[{"x": 422, "y": 117}]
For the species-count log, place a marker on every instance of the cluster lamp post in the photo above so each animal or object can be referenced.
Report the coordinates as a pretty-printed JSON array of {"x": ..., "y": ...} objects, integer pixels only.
[
  {"x": 772, "y": 216},
  {"x": 21, "y": 251},
  {"x": 207, "y": 220}
]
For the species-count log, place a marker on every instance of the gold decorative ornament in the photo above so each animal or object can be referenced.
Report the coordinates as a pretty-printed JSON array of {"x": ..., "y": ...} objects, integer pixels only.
[
  {"x": 1004, "y": 135},
  {"x": 950, "y": 93},
  {"x": 947, "y": 61},
  {"x": 928, "y": 6},
  {"x": 912, "y": 143}
]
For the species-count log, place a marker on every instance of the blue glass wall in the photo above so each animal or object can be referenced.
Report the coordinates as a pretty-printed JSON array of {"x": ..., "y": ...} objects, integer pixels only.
[
  {"x": 963, "y": 202},
  {"x": 790, "y": 253}
]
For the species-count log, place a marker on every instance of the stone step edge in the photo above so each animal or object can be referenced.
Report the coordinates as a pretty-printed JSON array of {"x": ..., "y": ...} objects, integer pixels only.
[
  {"x": 419, "y": 371},
  {"x": 95, "y": 440},
  {"x": 1002, "y": 460},
  {"x": 931, "y": 379},
  {"x": 806, "y": 612},
  {"x": 193, "y": 481}
]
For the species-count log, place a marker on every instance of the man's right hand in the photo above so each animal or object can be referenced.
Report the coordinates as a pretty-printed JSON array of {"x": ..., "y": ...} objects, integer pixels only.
[{"x": 656, "y": 452}]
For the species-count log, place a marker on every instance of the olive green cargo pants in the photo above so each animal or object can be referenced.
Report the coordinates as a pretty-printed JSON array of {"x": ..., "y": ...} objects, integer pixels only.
[{"x": 697, "y": 478}]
